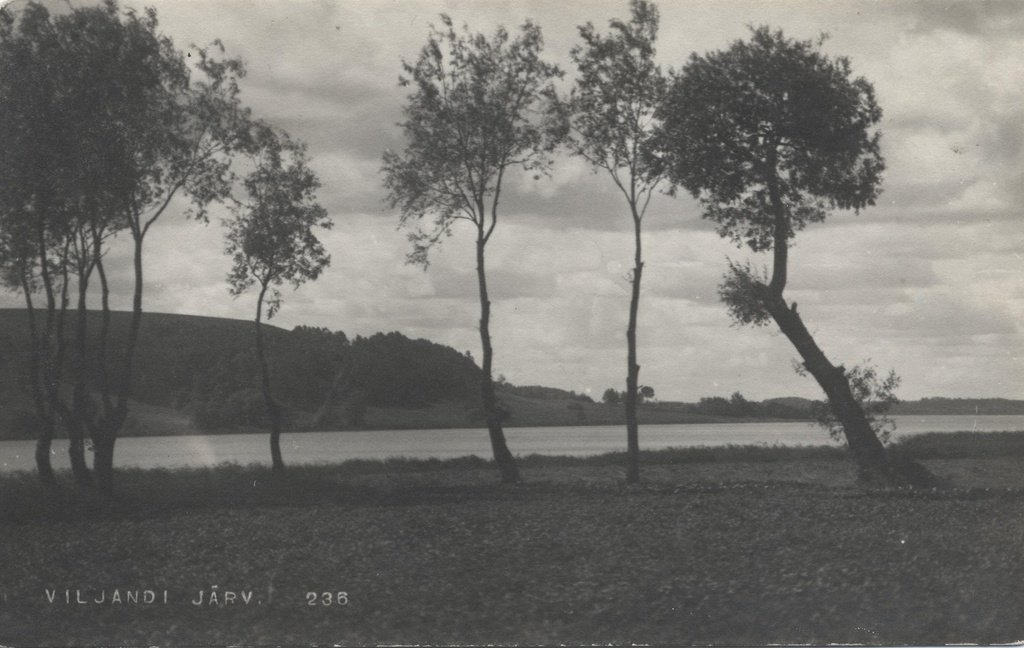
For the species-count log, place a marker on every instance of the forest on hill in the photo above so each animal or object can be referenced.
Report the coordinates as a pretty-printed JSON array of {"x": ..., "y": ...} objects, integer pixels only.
[{"x": 206, "y": 368}]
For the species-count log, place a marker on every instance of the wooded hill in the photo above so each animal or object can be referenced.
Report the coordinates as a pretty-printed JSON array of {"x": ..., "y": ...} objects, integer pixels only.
[{"x": 201, "y": 373}]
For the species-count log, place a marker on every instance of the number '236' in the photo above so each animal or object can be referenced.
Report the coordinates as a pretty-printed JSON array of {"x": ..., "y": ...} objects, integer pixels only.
[{"x": 326, "y": 598}]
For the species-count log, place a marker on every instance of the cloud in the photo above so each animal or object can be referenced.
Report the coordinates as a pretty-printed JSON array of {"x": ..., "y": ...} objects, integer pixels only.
[{"x": 992, "y": 17}]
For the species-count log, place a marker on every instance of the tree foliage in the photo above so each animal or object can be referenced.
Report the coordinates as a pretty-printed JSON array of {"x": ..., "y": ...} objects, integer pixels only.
[
  {"x": 611, "y": 396},
  {"x": 645, "y": 393},
  {"x": 875, "y": 394},
  {"x": 611, "y": 109},
  {"x": 477, "y": 109},
  {"x": 772, "y": 124},
  {"x": 742, "y": 292},
  {"x": 271, "y": 237}
]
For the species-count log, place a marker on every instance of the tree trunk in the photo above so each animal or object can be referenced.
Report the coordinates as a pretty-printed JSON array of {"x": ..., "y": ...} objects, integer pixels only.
[
  {"x": 103, "y": 462},
  {"x": 273, "y": 411},
  {"x": 865, "y": 444},
  {"x": 867, "y": 448},
  {"x": 632, "y": 368},
  {"x": 502, "y": 457},
  {"x": 43, "y": 466},
  {"x": 76, "y": 453},
  {"x": 44, "y": 443},
  {"x": 109, "y": 425},
  {"x": 81, "y": 410}
]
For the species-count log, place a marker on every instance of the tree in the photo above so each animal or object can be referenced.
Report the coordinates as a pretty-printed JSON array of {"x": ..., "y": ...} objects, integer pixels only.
[
  {"x": 771, "y": 135},
  {"x": 611, "y": 397},
  {"x": 180, "y": 141},
  {"x": 271, "y": 240},
  {"x": 611, "y": 113},
  {"x": 645, "y": 393},
  {"x": 115, "y": 126},
  {"x": 476, "y": 112}
]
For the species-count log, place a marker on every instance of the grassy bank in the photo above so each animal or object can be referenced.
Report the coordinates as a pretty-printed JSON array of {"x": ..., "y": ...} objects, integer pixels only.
[{"x": 725, "y": 545}]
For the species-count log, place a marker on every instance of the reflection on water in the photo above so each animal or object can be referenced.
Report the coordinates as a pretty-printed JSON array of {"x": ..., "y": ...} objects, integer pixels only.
[{"x": 329, "y": 447}]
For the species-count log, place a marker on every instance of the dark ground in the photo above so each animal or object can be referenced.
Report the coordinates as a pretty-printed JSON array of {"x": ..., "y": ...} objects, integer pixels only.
[{"x": 732, "y": 547}]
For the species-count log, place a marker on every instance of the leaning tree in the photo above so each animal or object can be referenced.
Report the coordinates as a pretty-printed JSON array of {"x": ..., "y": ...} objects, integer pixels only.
[
  {"x": 477, "y": 111},
  {"x": 271, "y": 240},
  {"x": 770, "y": 135},
  {"x": 611, "y": 113}
]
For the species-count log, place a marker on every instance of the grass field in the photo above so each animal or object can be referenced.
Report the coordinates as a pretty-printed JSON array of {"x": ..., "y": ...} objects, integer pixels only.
[{"x": 725, "y": 546}]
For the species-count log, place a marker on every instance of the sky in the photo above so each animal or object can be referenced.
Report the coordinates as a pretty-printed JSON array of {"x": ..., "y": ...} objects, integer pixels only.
[{"x": 929, "y": 282}]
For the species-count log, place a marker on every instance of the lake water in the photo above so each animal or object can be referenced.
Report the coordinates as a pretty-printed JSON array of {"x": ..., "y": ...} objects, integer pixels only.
[{"x": 330, "y": 447}]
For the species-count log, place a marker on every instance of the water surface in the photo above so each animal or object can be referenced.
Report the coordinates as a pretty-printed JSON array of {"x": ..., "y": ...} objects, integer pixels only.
[{"x": 331, "y": 447}]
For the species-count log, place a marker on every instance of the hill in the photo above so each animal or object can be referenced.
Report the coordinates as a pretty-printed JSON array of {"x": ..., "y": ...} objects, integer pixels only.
[{"x": 202, "y": 371}]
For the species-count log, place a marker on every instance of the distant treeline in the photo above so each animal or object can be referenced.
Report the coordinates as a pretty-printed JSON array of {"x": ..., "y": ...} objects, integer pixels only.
[
  {"x": 960, "y": 406},
  {"x": 736, "y": 406},
  {"x": 799, "y": 408},
  {"x": 537, "y": 392}
]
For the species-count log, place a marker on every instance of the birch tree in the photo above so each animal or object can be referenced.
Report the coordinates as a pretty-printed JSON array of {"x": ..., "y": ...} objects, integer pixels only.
[
  {"x": 478, "y": 110},
  {"x": 611, "y": 112},
  {"x": 271, "y": 240}
]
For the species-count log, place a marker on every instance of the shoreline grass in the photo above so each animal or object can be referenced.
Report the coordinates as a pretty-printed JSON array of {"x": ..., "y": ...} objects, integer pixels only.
[{"x": 142, "y": 492}]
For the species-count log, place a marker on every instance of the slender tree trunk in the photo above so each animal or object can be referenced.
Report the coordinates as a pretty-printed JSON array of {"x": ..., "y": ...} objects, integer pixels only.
[
  {"x": 44, "y": 467},
  {"x": 115, "y": 412},
  {"x": 103, "y": 462},
  {"x": 502, "y": 457},
  {"x": 632, "y": 368},
  {"x": 105, "y": 435},
  {"x": 44, "y": 443},
  {"x": 125, "y": 387},
  {"x": 50, "y": 349},
  {"x": 54, "y": 348},
  {"x": 81, "y": 409},
  {"x": 273, "y": 411}
]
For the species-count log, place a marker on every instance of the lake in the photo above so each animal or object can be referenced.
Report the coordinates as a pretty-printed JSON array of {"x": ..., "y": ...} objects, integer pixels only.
[{"x": 330, "y": 447}]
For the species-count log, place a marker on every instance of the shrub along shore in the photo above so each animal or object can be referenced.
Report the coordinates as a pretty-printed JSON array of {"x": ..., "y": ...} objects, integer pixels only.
[{"x": 718, "y": 545}]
